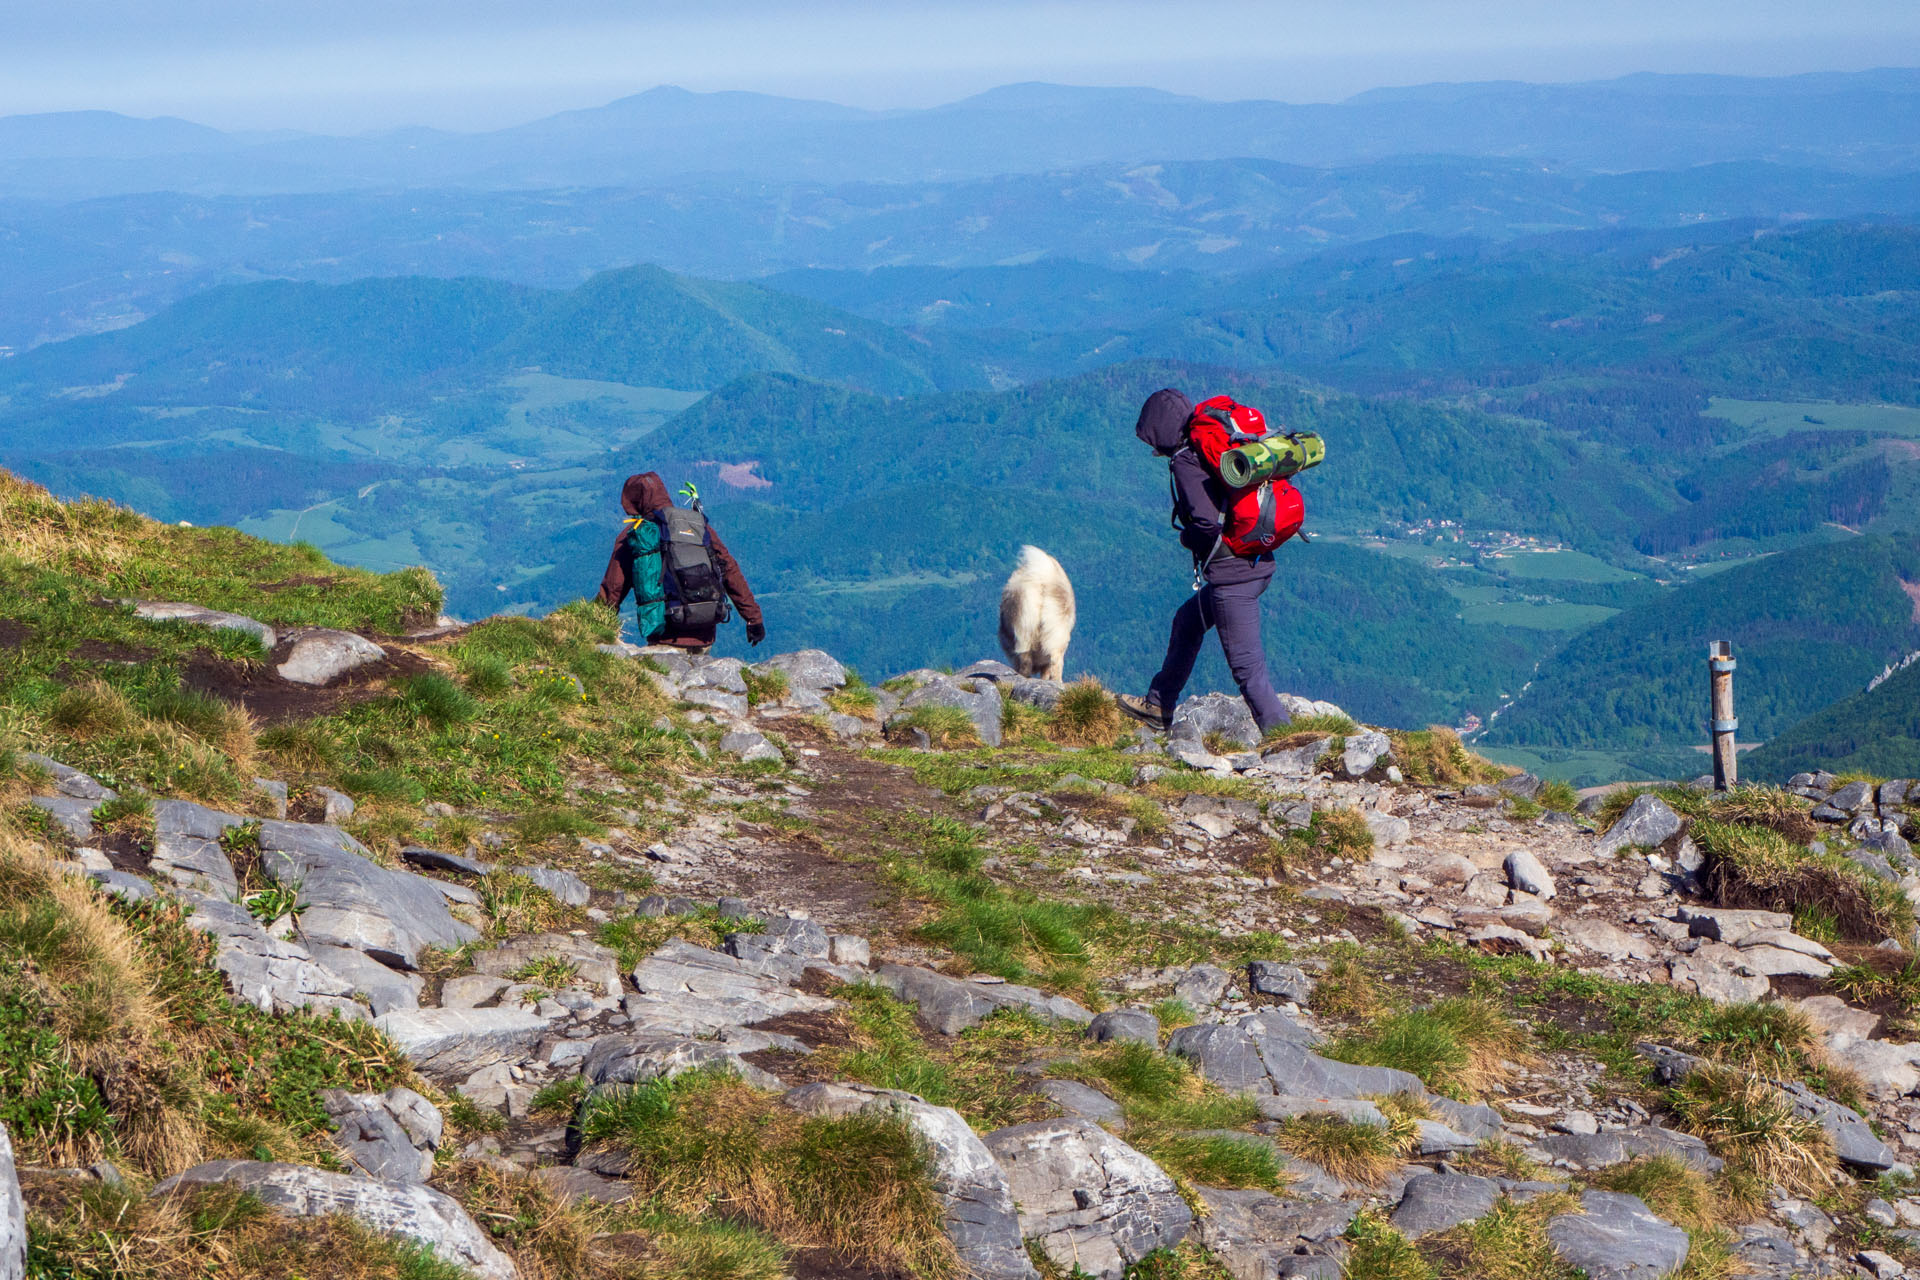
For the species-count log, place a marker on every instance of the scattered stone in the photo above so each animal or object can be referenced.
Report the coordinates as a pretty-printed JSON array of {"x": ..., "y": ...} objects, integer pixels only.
[
  {"x": 74, "y": 817},
  {"x": 1295, "y": 762},
  {"x": 845, "y": 949},
  {"x": 1222, "y": 714},
  {"x": 565, "y": 886},
  {"x": 1853, "y": 1139},
  {"x": 351, "y": 901},
  {"x": 1285, "y": 981},
  {"x": 593, "y": 964},
  {"x": 1136, "y": 1025},
  {"x": 13, "y": 1215},
  {"x": 951, "y": 1005},
  {"x": 1202, "y": 987},
  {"x": 1256, "y": 1234},
  {"x": 807, "y": 669},
  {"x": 390, "y": 1208},
  {"x": 749, "y": 745},
  {"x": 434, "y": 860},
  {"x": 71, "y": 782},
  {"x": 1881, "y": 1265},
  {"x": 1082, "y": 1102},
  {"x": 1389, "y": 831},
  {"x": 1439, "y": 1201},
  {"x": 636, "y": 1059},
  {"x": 271, "y": 974},
  {"x": 458, "y": 1042},
  {"x": 198, "y": 616},
  {"x": 322, "y": 656},
  {"x": 1617, "y": 1146},
  {"x": 385, "y": 989},
  {"x": 1647, "y": 821},
  {"x": 1525, "y": 873},
  {"x": 1363, "y": 751},
  {"x": 1605, "y": 940},
  {"x": 1616, "y": 1237},
  {"x": 390, "y": 1135},
  {"x": 1088, "y": 1199}
]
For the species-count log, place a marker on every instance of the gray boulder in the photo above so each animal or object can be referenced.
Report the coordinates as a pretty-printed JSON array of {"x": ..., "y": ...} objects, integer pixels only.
[
  {"x": 951, "y": 1005},
  {"x": 981, "y": 1220},
  {"x": 71, "y": 782},
  {"x": 1439, "y": 1201},
  {"x": 807, "y": 669},
  {"x": 1035, "y": 692},
  {"x": 1522, "y": 785},
  {"x": 1617, "y": 1237},
  {"x": 1086, "y": 1198},
  {"x": 800, "y": 939},
  {"x": 637, "y": 1059},
  {"x": 351, "y": 901},
  {"x": 980, "y": 699},
  {"x": 390, "y": 1208},
  {"x": 1853, "y": 797},
  {"x": 691, "y": 990},
  {"x": 734, "y": 706},
  {"x": 1525, "y": 873},
  {"x": 186, "y": 847},
  {"x": 1364, "y": 751},
  {"x": 269, "y": 973},
  {"x": 74, "y": 817},
  {"x": 565, "y": 886},
  {"x": 385, "y": 989},
  {"x": 1617, "y": 1146},
  {"x": 1083, "y": 1102},
  {"x": 1137, "y": 1025},
  {"x": 322, "y": 656},
  {"x": 1853, "y": 1138},
  {"x": 1295, "y": 762},
  {"x": 1257, "y": 1235},
  {"x": 13, "y": 1215},
  {"x": 199, "y": 616},
  {"x": 1203, "y": 986},
  {"x": 1216, "y": 713},
  {"x": 1267, "y": 1053},
  {"x": 459, "y": 1042},
  {"x": 390, "y": 1135},
  {"x": 724, "y": 674},
  {"x": 1283, "y": 981},
  {"x": 593, "y": 964},
  {"x": 749, "y": 745},
  {"x": 1647, "y": 821}
]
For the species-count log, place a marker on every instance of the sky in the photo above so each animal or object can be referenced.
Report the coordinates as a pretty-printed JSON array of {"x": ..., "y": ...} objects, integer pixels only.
[{"x": 346, "y": 66}]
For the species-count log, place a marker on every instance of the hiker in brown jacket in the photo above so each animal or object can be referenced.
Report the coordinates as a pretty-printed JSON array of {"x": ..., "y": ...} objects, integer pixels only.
[{"x": 678, "y": 570}]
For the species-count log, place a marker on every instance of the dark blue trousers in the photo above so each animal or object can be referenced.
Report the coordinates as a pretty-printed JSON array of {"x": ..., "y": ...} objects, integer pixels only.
[{"x": 1233, "y": 609}]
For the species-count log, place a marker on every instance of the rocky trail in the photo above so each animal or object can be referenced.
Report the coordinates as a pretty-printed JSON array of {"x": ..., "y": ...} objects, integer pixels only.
[{"x": 809, "y": 909}]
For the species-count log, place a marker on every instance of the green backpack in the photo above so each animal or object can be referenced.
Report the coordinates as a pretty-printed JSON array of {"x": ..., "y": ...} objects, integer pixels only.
[{"x": 649, "y": 593}]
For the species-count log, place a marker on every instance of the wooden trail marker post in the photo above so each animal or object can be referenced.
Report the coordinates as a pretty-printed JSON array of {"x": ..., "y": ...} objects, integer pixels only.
[{"x": 1720, "y": 664}]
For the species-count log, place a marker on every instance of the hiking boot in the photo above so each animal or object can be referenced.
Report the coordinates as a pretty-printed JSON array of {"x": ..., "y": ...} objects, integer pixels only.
[{"x": 1145, "y": 710}]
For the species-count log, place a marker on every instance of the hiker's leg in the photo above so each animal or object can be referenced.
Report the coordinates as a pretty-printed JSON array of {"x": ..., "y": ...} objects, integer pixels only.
[
  {"x": 1236, "y": 612},
  {"x": 1190, "y": 623}
]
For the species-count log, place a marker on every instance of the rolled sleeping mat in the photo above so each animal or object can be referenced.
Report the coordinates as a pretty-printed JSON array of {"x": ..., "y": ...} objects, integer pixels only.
[{"x": 1261, "y": 460}]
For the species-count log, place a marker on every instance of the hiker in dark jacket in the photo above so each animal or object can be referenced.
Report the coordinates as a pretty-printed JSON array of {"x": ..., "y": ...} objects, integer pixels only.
[
  {"x": 636, "y": 566},
  {"x": 1229, "y": 598}
]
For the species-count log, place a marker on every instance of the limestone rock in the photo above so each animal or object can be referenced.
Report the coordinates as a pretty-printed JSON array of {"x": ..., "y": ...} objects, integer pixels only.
[
  {"x": 1617, "y": 1146},
  {"x": 1285, "y": 981},
  {"x": 13, "y": 1215},
  {"x": 322, "y": 656},
  {"x": 1364, "y": 750},
  {"x": 196, "y": 615},
  {"x": 980, "y": 699},
  {"x": 1608, "y": 941},
  {"x": 1647, "y": 821},
  {"x": 565, "y": 886},
  {"x": 806, "y": 669},
  {"x": 385, "y": 989},
  {"x": 1224, "y": 714},
  {"x": 435, "y": 860},
  {"x": 1203, "y": 986},
  {"x": 951, "y": 1005},
  {"x": 981, "y": 1219},
  {"x": 691, "y": 990},
  {"x": 458, "y": 1042},
  {"x": 1036, "y": 692},
  {"x": 593, "y": 964},
  {"x": 271, "y": 974},
  {"x": 390, "y": 1208},
  {"x": 1728, "y": 924},
  {"x": 1616, "y": 1237},
  {"x": 636, "y": 1059},
  {"x": 1389, "y": 830},
  {"x": 1438, "y": 1201},
  {"x": 1088, "y": 1199},
  {"x": 1853, "y": 1138},
  {"x": 1295, "y": 762},
  {"x": 186, "y": 847},
  {"x": 390, "y": 1135},
  {"x": 1525, "y": 874},
  {"x": 1137, "y": 1025},
  {"x": 71, "y": 782},
  {"x": 74, "y": 817},
  {"x": 1082, "y": 1102},
  {"x": 749, "y": 745},
  {"x": 351, "y": 901},
  {"x": 1257, "y": 1235}
]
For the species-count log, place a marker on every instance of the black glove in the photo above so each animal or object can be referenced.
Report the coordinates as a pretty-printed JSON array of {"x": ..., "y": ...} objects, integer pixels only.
[{"x": 756, "y": 632}]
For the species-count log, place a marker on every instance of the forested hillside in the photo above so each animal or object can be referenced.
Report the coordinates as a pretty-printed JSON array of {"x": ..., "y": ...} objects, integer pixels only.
[
  {"x": 1875, "y": 731},
  {"x": 1808, "y": 627}
]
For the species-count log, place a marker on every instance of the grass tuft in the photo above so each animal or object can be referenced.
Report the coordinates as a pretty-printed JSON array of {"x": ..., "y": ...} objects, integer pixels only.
[
  {"x": 1460, "y": 1047},
  {"x": 1087, "y": 715},
  {"x": 1437, "y": 757},
  {"x": 1759, "y": 867},
  {"x": 1751, "y": 1124}
]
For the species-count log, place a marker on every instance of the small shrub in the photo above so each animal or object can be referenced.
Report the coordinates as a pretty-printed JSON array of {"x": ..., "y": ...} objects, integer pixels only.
[
  {"x": 1558, "y": 795},
  {"x": 1759, "y": 867},
  {"x": 269, "y": 904},
  {"x": 1086, "y": 716},
  {"x": 947, "y": 728},
  {"x": 436, "y": 699},
  {"x": 764, "y": 687},
  {"x": 1457, "y": 1047}
]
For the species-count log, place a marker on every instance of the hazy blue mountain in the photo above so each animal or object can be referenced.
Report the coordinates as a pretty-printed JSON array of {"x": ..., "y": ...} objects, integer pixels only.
[
  {"x": 105, "y": 135},
  {"x": 1866, "y": 122}
]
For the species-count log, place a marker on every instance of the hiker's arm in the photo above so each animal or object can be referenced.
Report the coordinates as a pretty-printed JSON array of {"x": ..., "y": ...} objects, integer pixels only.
[
  {"x": 736, "y": 581},
  {"x": 1200, "y": 524},
  {"x": 618, "y": 579}
]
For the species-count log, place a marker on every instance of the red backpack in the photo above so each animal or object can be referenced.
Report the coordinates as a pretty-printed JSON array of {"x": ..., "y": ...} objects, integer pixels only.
[{"x": 1257, "y": 519}]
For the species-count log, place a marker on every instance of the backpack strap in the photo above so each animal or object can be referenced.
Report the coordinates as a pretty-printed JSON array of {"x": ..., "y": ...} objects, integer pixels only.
[{"x": 1267, "y": 523}]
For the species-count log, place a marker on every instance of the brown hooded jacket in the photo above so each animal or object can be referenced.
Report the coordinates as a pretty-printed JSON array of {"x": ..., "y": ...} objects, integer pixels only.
[{"x": 642, "y": 495}]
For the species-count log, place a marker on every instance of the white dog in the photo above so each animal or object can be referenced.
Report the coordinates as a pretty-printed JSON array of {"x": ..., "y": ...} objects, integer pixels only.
[{"x": 1036, "y": 615}]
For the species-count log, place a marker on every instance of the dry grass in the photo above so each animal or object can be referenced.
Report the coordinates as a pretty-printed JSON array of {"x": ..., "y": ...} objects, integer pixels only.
[
  {"x": 1759, "y": 867},
  {"x": 1361, "y": 1154},
  {"x": 1348, "y": 988},
  {"x": 1436, "y": 756},
  {"x": 1509, "y": 1243},
  {"x": 1087, "y": 716},
  {"x": 1461, "y": 1047},
  {"x": 1773, "y": 807},
  {"x": 1670, "y": 1187},
  {"x": 1751, "y": 1125},
  {"x": 859, "y": 1186},
  {"x": 87, "y": 1229}
]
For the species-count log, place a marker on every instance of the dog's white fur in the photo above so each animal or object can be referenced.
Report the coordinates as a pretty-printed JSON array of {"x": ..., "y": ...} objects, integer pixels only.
[{"x": 1037, "y": 615}]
